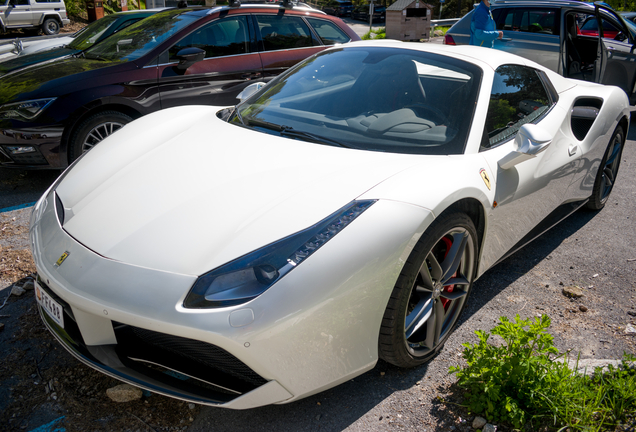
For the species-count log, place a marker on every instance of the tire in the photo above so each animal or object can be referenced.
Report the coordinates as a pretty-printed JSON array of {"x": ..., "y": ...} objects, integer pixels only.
[
  {"x": 50, "y": 26},
  {"x": 424, "y": 308},
  {"x": 607, "y": 171},
  {"x": 94, "y": 129}
]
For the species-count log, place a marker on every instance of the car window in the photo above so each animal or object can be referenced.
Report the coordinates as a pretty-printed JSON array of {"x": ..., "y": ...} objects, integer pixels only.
[
  {"x": 518, "y": 97},
  {"x": 283, "y": 32},
  {"x": 224, "y": 37},
  {"x": 21, "y": 2},
  {"x": 141, "y": 37},
  {"x": 529, "y": 20},
  {"x": 591, "y": 24},
  {"x": 328, "y": 32}
]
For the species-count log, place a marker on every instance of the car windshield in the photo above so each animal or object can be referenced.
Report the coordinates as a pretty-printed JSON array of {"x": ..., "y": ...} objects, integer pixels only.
[
  {"x": 92, "y": 32},
  {"x": 141, "y": 37},
  {"x": 371, "y": 98},
  {"x": 631, "y": 27}
]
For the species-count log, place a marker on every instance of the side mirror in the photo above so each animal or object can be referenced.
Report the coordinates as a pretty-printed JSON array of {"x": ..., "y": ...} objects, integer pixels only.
[
  {"x": 189, "y": 56},
  {"x": 620, "y": 37},
  {"x": 250, "y": 90},
  {"x": 529, "y": 142}
]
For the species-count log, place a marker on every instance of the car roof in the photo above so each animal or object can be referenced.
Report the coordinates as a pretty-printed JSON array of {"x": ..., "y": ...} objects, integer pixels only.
[
  {"x": 480, "y": 56},
  {"x": 203, "y": 11},
  {"x": 556, "y": 3},
  {"x": 472, "y": 54}
]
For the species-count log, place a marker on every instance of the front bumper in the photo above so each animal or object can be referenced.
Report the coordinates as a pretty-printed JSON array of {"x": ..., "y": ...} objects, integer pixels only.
[
  {"x": 314, "y": 329},
  {"x": 32, "y": 148}
]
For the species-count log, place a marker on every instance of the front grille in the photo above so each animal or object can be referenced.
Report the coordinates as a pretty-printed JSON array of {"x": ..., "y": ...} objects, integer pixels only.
[
  {"x": 206, "y": 355},
  {"x": 170, "y": 365},
  {"x": 3, "y": 157},
  {"x": 33, "y": 158}
]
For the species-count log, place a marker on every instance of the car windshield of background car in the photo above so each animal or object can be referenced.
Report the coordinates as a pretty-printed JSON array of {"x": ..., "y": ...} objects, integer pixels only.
[
  {"x": 93, "y": 31},
  {"x": 380, "y": 99},
  {"x": 631, "y": 27},
  {"x": 141, "y": 37}
]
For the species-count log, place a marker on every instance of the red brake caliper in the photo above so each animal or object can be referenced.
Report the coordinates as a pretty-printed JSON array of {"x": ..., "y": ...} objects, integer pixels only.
[{"x": 447, "y": 288}]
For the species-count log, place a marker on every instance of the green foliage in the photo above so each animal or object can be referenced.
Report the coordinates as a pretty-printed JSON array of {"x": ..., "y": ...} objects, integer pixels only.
[
  {"x": 500, "y": 113},
  {"x": 375, "y": 34},
  {"x": 75, "y": 8},
  {"x": 520, "y": 381}
]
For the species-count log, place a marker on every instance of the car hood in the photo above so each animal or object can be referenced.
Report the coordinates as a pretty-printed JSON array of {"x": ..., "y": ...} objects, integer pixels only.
[
  {"x": 22, "y": 61},
  {"x": 182, "y": 191},
  {"x": 53, "y": 78}
]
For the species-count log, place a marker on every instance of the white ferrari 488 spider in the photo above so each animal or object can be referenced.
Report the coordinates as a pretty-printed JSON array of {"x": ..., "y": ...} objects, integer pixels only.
[{"x": 262, "y": 253}]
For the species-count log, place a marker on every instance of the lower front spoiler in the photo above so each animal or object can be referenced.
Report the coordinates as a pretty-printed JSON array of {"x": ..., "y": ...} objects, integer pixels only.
[{"x": 153, "y": 368}]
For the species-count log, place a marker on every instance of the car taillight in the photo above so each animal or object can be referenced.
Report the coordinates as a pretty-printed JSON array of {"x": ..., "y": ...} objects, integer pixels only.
[{"x": 448, "y": 40}]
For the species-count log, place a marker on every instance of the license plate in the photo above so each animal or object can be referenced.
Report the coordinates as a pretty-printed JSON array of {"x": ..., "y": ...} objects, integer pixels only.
[{"x": 52, "y": 308}]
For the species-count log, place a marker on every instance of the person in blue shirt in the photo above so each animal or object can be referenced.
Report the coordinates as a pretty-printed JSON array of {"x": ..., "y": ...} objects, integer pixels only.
[{"x": 482, "y": 26}]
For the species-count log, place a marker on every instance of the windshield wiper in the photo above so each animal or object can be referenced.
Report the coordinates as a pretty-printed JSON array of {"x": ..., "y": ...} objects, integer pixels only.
[
  {"x": 308, "y": 136},
  {"x": 239, "y": 116},
  {"x": 289, "y": 132},
  {"x": 264, "y": 124}
]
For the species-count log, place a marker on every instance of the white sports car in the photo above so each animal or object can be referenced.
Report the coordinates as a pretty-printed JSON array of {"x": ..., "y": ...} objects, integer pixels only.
[{"x": 246, "y": 256}]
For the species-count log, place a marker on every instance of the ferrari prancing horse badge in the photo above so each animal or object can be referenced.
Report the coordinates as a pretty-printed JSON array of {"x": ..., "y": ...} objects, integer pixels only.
[{"x": 484, "y": 176}]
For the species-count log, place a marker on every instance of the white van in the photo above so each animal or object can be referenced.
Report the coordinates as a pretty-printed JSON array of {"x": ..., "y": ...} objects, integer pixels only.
[{"x": 47, "y": 15}]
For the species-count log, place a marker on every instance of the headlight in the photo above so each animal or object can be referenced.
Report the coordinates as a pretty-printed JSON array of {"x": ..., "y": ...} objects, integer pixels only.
[
  {"x": 246, "y": 278},
  {"x": 26, "y": 110}
]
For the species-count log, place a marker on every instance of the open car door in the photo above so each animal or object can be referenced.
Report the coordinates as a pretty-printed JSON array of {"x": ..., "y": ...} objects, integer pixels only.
[{"x": 616, "y": 59}]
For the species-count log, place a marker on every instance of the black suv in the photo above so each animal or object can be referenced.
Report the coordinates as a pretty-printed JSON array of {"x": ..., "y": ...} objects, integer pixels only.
[
  {"x": 52, "y": 112},
  {"x": 551, "y": 33}
]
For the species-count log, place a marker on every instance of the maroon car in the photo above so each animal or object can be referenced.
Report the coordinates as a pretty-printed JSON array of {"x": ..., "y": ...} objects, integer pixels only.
[{"x": 52, "y": 112}]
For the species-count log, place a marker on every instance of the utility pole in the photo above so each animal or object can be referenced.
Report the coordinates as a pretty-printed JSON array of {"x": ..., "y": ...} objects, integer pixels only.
[{"x": 441, "y": 3}]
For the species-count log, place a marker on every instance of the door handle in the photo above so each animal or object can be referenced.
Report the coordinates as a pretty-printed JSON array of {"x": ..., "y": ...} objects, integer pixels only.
[
  {"x": 505, "y": 39},
  {"x": 573, "y": 149}
]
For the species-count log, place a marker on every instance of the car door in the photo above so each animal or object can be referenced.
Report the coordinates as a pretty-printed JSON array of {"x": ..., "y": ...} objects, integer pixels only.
[
  {"x": 18, "y": 13},
  {"x": 531, "y": 32},
  {"x": 526, "y": 192},
  {"x": 230, "y": 64},
  {"x": 616, "y": 59},
  {"x": 285, "y": 40}
]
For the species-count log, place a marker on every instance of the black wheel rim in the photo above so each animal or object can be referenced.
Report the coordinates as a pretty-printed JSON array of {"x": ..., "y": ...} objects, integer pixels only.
[
  {"x": 439, "y": 292},
  {"x": 99, "y": 133},
  {"x": 610, "y": 169}
]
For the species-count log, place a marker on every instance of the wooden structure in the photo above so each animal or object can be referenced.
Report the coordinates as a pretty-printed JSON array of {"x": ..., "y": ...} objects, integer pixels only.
[{"x": 408, "y": 20}]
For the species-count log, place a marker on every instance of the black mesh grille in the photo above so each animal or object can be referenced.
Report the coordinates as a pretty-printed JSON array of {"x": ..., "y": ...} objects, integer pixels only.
[
  {"x": 4, "y": 158},
  {"x": 580, "y": 127},
  {"x": 201, "y": 353}
]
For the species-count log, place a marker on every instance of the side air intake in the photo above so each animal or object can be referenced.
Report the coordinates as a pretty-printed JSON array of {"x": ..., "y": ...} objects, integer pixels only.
[{"x": 584, "y": 113}]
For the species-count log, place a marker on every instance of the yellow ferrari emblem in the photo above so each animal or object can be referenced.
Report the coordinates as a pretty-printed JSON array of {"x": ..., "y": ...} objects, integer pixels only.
[
  {"x": 61, "y": 259},
  {"x": 484, "y": 176}
]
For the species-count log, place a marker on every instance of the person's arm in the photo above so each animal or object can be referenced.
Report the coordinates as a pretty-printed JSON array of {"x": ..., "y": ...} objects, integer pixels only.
[{"x": 481, "y": 22}]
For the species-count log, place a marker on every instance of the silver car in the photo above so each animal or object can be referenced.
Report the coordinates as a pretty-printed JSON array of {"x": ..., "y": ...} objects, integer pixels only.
[
  {"x": 552, "y": 34},
  {"x": 49, "y": 16}
]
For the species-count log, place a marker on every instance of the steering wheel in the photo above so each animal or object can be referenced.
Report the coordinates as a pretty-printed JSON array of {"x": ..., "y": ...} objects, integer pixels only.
[{"x": 429, "y": 113}]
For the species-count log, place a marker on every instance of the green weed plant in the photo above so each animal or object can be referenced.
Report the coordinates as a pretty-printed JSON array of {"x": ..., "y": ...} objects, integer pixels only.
[
  {"x": 379, "y": 33},
  {"x": 525, "y": 382}
]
